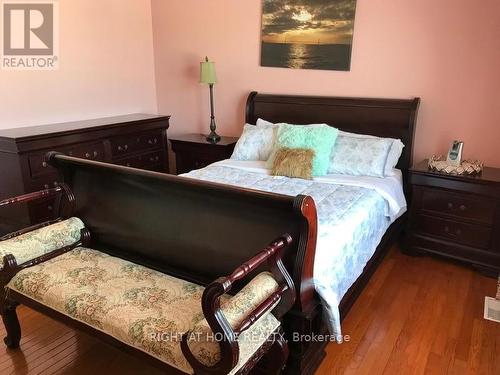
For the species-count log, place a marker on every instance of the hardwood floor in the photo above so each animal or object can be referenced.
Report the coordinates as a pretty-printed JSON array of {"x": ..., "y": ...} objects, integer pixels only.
[
  {"x": 419, "y": 316},
  {"x": 416, "y": 316}
]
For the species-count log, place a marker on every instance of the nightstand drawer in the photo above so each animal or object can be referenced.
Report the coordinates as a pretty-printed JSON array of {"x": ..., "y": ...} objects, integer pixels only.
[
  {"x": 459, "y": 205},
  {"x": 192, "y": 151},
  {"x": 461, "y": 233},
  {"x": 190, "y": 162}
]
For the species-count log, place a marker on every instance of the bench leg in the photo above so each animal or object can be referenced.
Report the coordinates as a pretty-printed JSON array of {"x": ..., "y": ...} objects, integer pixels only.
[
  {"x": 12, "y": 326},
  {"x": 278, "y": 355}
]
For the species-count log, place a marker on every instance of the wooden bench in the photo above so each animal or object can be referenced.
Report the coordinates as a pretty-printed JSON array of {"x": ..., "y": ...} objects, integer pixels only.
[{"x": 132, "y": 253}]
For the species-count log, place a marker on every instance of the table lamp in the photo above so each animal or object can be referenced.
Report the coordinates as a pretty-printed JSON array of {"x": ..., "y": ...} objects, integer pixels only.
[{"x": 207, "y": 76}]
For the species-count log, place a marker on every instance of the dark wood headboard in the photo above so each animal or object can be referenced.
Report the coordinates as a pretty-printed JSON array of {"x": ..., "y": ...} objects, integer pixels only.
[{"x": 394, "y": 118}]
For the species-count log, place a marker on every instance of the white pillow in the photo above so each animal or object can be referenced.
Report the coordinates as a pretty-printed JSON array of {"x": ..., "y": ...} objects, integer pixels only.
[
  {"x": 255, "y": 143},
  {"x": 395, "y": 150},
  {"x": 261, "y": 122},
  {"x": 359, "y": 156}
]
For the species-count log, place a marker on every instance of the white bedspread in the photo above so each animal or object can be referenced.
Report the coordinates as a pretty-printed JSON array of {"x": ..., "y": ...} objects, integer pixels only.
[{"x": 353, "y": 215}]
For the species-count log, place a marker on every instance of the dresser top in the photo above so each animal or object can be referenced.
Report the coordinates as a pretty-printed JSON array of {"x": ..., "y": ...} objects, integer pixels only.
[
  {"x": 25, "y": 133},
  {"x": 488, "y": 175}
]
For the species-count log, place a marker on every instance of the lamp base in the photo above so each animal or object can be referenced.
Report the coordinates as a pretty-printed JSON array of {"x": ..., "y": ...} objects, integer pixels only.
[{"x": 213, "y": 137}]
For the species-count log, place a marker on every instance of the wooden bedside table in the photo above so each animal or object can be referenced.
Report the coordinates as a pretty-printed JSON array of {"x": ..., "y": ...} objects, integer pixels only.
[
  {"x": 456, "y": 216},
  {"x": 192, "y": 151}
]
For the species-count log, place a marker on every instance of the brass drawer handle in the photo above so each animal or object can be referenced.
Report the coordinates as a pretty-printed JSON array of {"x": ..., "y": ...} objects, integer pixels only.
[{"x": 463, "y": 207}]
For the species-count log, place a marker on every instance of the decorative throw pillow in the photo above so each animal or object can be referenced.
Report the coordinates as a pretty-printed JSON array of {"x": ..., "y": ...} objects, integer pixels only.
[
  {"x": 321, "y": 139},
  {"x": 293, "y": 162},
  {"x": 360, "y": 156},
  {"x": 255, "y": 143},
  {"x": 394, "y": 153}
]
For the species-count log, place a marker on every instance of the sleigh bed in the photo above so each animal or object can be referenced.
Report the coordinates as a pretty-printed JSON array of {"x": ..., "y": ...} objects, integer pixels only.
[{"x": 359, "y": 245}]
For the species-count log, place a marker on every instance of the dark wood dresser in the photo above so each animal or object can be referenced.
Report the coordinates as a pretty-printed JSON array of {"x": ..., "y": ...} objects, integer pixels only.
[
  {"x": 136, "y": 140},
  {"x": 456, "y": 216},
  {"x": 192, "y": 151}
]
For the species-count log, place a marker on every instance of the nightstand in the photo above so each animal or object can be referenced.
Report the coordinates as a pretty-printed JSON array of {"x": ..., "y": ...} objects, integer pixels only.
[
  {"x": 456, "y": 216},
  {"x": 192, "y": 151}
]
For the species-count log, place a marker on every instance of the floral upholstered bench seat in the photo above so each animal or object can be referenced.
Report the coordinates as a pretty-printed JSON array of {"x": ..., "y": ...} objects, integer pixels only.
[
  {"x": 141, "y": 307},
  {"x": 42, "y": 241}
]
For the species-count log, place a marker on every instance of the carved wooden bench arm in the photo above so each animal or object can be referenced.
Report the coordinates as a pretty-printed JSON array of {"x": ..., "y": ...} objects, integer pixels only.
[
  {"x": 61, "y": 189},
  {"x": 280, "y": 302},
  {"x": 11, "y": 266}
]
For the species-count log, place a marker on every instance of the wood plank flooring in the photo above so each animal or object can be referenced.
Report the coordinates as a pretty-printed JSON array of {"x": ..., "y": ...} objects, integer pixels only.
[{"x": 416, "y": 316}]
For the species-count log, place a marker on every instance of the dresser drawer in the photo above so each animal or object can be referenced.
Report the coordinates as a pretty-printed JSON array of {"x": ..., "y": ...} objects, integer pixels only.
[
  {"x": 43, "y": 210},
  {"x": 46, "y": 182},
  {"x": 458, "y": 205},
  {"x": 131, "y": 143},
  {"x": 93, "y": 151},
  {"x": 143, "y": 161},
  {"x": 38, "y": 166},
  {"x": 461, "y": 233}
]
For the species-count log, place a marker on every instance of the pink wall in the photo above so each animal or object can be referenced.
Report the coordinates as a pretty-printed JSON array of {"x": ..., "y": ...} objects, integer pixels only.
[
  {"x": 106, "y": 67},
  {"x": 444, "y": 51}
]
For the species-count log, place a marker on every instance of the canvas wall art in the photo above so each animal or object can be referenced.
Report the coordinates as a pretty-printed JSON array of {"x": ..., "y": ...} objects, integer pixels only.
[{"x": 307, "y": 34}]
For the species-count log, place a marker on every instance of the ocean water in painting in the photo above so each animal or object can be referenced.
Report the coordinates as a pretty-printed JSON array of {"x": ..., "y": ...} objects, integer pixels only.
[{"x": 306, "y": 56}]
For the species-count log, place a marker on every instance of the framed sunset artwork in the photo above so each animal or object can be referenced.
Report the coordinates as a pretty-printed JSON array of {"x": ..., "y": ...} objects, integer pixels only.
[{"x": 307, "y": 34}]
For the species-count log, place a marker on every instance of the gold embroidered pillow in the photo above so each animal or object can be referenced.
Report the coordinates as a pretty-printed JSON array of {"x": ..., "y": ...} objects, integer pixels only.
[{"x": 293, "y": 162}]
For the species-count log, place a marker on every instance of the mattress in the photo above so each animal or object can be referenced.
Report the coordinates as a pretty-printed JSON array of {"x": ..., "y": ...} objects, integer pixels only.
[{"x": 353, "y": 214}]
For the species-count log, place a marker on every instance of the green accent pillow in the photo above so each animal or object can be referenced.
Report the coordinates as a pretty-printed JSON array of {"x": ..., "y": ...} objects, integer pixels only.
[{"x": 320, "y": 138}]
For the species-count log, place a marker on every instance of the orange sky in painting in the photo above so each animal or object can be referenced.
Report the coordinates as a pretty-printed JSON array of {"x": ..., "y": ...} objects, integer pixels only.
[{"x": 308, "y": 22}]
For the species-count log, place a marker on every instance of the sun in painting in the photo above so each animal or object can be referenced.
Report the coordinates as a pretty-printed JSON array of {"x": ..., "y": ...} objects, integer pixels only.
[{"x": 302, "y": 16}]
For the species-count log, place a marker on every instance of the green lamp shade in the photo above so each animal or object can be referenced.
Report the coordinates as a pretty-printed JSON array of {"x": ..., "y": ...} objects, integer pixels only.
[{"x": 207, "y": 72}]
